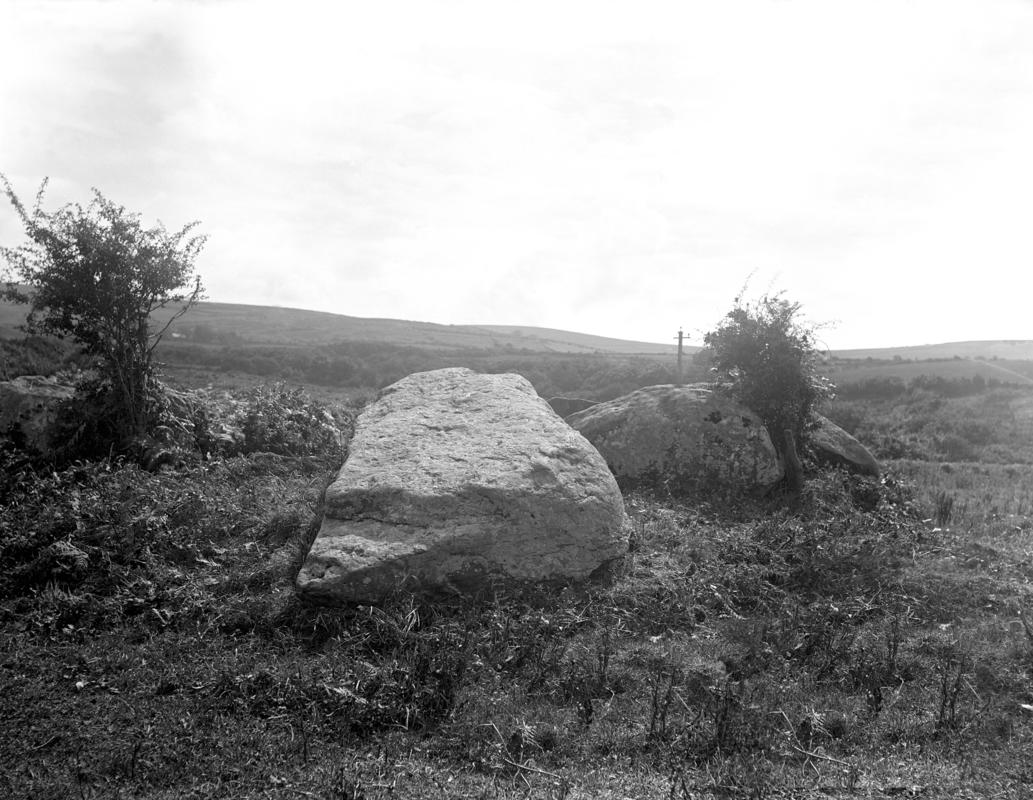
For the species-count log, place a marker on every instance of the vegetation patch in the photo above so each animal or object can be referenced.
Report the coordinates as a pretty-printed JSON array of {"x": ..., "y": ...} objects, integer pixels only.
[{"x": 153, "y": 646}]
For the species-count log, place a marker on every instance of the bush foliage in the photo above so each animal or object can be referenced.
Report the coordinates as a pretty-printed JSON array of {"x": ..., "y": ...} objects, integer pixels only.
[
  {"x": 767, "y": 359},
  {"x": 96, "y": 275}
]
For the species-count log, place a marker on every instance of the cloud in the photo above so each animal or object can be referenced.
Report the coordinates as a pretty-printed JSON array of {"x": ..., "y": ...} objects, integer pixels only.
[{"x": 598, "y": 166}]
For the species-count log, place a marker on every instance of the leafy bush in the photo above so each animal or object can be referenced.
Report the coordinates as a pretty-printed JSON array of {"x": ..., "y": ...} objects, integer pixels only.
[
  {"x": 766, "y": 358},
  {"x": 277, "y": 419},
  {"x": 95, "y": 275},
  {"x": 88, "y": 424},
  {"x": 185, "y": 425}
]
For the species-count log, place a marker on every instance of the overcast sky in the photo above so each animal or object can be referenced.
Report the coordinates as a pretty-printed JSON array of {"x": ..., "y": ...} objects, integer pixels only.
[{"x": 617, "y": 168}]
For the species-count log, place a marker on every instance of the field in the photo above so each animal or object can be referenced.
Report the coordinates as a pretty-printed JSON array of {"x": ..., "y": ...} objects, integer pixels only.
[
  {"x": 848, "y": 372},
  {"x": 869, "y": 641},
  {"x": 991, "y": 426}
]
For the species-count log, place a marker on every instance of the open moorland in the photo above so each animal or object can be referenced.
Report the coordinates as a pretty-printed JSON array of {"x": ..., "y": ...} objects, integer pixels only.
[
  {"x": 871, "y": 639},
  {"x": 226, "y": 344}
]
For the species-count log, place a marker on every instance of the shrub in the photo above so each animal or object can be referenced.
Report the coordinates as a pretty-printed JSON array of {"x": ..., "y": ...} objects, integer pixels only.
[
  {"x": 766, "y": 358},
  {"x": 277, "y": 419},
  {"x": 95, "y": 275}
]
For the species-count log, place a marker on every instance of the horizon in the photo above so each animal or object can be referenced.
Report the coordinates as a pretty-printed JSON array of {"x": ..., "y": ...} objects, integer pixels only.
[
  {"x": 688, "y": 343},
  {"x": 606, "y": 335},
  {"x": 599, "y": 166}
]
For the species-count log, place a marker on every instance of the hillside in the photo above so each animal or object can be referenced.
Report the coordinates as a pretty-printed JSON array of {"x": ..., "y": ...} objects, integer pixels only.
[
  {"x": 293, "y": 326},
  {"x": 270, "y": 325},
  {"x": 231, "y": 336},
  {"x": 273, "y": 325},
  {"x": 553, "y": 340},
  {"x": 1016, "y": 349},
  {"x": 967, "y": 369}
]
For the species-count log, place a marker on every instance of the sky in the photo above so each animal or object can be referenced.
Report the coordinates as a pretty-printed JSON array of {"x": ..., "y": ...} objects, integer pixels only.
[{"x": 617, "y": 168}]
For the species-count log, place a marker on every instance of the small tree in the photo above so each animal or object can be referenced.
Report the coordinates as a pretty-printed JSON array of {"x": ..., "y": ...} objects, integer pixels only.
[
  {"x": 767, "y": 359},
  {"x": 94, "y": 274}
]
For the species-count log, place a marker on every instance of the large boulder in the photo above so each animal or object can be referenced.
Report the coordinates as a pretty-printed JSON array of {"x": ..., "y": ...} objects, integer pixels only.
[
  {"x": 28, "y": 408},
  {"x": 831, "y": 444},
  {"x": 683, "y": 438},
  {"x": 457, "y": 481}
]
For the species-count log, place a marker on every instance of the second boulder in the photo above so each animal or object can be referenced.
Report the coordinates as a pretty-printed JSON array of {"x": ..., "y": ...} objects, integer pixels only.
[{"x": 682, "y": 438}]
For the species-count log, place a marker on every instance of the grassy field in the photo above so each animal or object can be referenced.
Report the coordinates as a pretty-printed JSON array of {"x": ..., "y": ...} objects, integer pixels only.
[
  {"x": 989, "y": 426},
  {"x": 869, "y": 641},
  {"x": 966, "y": 369}
]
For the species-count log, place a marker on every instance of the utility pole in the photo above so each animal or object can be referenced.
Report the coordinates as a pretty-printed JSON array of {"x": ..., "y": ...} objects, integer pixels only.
[{"x": 681, "y": 375}]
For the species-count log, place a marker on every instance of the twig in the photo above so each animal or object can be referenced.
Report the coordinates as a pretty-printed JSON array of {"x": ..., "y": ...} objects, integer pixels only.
[
  {"x": 497, "y": 731},
  {"x": 809, "y": 754},
  {"x": 1026, "y": 626},
  {"x": 532, "y": 769}
]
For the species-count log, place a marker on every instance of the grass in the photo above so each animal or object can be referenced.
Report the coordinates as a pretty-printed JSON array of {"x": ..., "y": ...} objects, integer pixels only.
[
  {"x": 842, "y": 647},
  {"x": 871, "y": 640},
  {"x": 992, "y": 426}
]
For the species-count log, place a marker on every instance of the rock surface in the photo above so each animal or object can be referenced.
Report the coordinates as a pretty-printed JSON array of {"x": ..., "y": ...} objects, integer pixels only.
[
  {"x": 683, "y": 438},
  {"x": 457, "y": 480},
  {"x": 28, "y": 407},
  {"x": 833, "y": 445}
]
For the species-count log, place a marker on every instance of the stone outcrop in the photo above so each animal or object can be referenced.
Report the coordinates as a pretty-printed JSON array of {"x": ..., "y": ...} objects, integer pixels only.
[
  {"x": 565, "y": 406},
  {"x": 683, "y": 438},
  {"x": 457, "y": 480},
  {"x": 28, "y": 408},
  {"x": 830, "y": 444}
]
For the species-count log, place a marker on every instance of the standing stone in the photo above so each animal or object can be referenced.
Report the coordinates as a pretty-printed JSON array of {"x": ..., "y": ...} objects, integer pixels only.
[
  {"x": 456, "y": 481},
  {"x": 683, "y": 439}
]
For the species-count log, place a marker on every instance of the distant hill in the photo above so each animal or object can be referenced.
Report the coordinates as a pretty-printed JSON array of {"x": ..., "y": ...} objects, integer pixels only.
[
  {"x": 1015, "y": 349},
  {"x": 271, "y": 325},
  {"x": 1011, "y": 372},
  {"x": 552, "y": 340},
  {"x": 232, "y": 323},
  {"x": 1004, "y": 361}
]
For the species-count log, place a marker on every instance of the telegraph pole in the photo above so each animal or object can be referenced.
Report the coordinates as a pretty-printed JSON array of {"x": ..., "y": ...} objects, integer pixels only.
[{"x": 681, "y": 378}]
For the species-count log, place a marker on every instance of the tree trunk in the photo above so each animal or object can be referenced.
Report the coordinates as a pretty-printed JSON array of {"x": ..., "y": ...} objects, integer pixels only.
[{"x": 794, "y": 469}]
